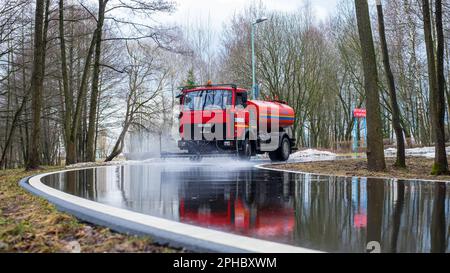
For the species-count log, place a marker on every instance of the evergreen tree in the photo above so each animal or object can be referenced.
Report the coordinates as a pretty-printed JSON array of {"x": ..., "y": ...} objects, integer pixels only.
[{"x": 191, "y": 81}]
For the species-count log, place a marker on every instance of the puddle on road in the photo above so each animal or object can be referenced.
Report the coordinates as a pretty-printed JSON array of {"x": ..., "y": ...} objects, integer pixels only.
[{"x": 319, "y": 212}]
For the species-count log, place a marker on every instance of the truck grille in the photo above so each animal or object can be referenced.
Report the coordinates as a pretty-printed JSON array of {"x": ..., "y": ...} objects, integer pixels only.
[{"x": 204, "y": 131}]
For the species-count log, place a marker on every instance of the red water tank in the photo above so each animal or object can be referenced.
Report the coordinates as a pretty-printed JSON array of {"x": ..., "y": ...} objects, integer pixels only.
[{"x": 271, "y": 112}]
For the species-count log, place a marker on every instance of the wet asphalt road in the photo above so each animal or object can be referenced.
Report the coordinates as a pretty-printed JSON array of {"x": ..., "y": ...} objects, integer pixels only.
[{"x": 319, "y": 212}]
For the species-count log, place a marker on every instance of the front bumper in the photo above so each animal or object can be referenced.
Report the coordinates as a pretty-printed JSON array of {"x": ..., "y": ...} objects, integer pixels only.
[{"x": 205, "y": 147}]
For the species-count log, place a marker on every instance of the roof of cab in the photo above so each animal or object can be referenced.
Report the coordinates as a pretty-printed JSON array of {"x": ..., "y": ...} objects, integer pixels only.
[{"x": 218, "y": 87}]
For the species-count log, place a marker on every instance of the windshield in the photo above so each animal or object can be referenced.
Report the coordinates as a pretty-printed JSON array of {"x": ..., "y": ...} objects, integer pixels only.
[{"x": 207, "y": 100}]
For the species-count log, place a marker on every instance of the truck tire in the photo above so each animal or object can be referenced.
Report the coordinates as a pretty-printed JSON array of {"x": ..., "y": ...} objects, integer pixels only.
[
  {"x": 246, "y": 152},
  {"x": 282, "y": 153}
]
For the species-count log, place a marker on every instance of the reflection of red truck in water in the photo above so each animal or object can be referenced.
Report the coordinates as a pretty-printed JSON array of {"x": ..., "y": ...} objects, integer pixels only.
[
  {"x": 219, "y": 119},
  {"x": 236, "y": 216},
  {"x": 263, "y": 209}
]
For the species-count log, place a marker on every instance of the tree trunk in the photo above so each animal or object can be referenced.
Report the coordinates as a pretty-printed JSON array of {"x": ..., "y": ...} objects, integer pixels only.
[
  {"x": 10, "y": 135},
  {"x": 436, "y": 84},
  {"x": 118, "y": 147},
  {"x": 400, "y": 162},
  {"x": 37, "y": 83},
  {"x": 375, "y": 147},
  {"x": 441, "y": 163},
  {"x": 81, "y": 137},
  {"x": 68, "y": 97},
  {"x": 71, "y": 154},
  {"x": 129, "y": 117},
  {"x": 90, "y": 149}
]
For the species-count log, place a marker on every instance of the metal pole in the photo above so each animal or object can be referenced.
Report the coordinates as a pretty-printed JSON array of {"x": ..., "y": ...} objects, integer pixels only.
[
  {"x": 253, "y": 63},
  {"x": 365, "y": 132},
  {"x": 355, "y": 135},
  {"x": 255, "y": 87}
]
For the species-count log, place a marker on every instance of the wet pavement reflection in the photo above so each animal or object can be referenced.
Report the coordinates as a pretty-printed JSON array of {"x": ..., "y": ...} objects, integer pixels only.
[{"x": 319, "y": 212}]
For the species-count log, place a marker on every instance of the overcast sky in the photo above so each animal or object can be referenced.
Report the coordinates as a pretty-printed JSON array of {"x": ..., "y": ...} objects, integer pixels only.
[{"x": 219, "y": 11}]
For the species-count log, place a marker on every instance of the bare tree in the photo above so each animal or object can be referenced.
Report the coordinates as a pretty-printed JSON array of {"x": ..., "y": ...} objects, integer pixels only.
[
  {"x": 375, "y": 147},
  {"x": 75, "y": 119},
  {"x": 68, "y": 97},
  {"x": 441, "y": 162},
  {"x": 10, "y": 24},
  {"x": 400, "y": 162},
  {"x": 37, "y": 80},
  {"x": 144, "y": 73},
  {"x": 90, "y": 146},
  {"x": 145, "y": 8},
  {"x": 436, "y": 83}
]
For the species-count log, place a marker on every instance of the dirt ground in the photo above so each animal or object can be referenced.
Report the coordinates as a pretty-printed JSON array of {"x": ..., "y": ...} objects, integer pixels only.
[
  {"x": 417, "y": 168},
  {"x": 31, "y": 224}
]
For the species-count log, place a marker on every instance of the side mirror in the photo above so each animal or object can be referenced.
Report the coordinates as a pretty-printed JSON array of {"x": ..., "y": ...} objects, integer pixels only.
[
  {"x": 244, "y": 98},
  {"x": 180, "y": 98}
]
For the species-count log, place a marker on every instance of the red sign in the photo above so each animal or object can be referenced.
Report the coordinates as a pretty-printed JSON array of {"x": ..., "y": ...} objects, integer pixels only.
[
  {"x": 360, "y": 220},
  {"x": 359, "y": 113}
]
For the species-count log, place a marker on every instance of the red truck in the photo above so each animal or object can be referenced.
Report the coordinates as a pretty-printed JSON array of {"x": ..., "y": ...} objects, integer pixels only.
[{"x": 218, "y": 120}]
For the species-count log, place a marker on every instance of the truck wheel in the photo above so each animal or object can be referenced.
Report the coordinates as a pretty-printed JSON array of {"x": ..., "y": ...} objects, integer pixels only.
[
  {"x": 283, "y": 152},
  {"x": 246, "y": 152}
]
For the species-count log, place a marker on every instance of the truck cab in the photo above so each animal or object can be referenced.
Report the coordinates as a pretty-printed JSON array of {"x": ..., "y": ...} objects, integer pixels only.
[{"x": 219, "y": 120}]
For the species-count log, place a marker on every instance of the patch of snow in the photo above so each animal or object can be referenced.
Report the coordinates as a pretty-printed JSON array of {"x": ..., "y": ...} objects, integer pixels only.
[
  {"x": 390, "y": 151},
  {"x": 312, "y": 153},
  {"x": 427, "y": 152}
]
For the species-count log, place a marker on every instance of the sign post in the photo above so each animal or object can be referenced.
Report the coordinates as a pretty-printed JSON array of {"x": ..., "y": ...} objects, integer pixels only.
[{"x": 359, "y": 113}]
